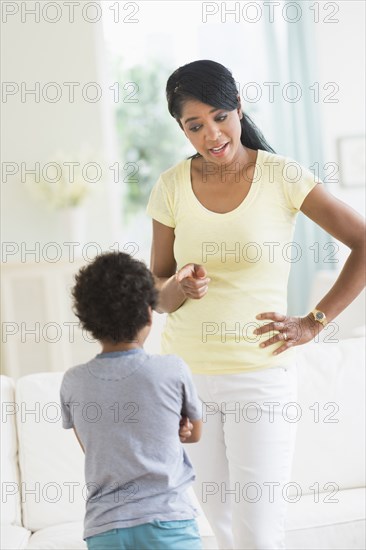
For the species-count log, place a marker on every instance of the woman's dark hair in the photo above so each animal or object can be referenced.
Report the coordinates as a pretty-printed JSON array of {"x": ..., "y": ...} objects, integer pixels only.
[
  {"x": 213, "y": 84},
  {"x": 112, "y": 295}
]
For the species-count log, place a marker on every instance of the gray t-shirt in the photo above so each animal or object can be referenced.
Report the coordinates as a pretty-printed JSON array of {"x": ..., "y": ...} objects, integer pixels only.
[{"x": 126, "y": 407}]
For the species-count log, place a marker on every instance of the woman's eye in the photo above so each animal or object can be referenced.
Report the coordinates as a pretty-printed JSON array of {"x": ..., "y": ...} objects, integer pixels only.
[{"x": 220, "y": 118}]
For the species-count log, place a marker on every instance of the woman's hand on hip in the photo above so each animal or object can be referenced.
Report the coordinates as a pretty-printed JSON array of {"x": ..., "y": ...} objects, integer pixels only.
[
  {"x": 293, "y": 331},
  {"x": 193, "y": 280}
]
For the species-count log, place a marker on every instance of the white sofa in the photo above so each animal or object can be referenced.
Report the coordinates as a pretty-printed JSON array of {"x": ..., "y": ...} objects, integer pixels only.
[{"x": 42, "y": 464}]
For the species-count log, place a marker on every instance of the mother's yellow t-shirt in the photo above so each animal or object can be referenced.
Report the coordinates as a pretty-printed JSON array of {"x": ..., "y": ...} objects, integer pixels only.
[{"x": 247, "y": 253}]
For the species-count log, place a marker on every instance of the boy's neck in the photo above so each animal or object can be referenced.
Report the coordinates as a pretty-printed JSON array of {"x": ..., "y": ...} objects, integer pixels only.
[
  {"x": 122, "y": 346},
  {"x": 137, "y": 343}
]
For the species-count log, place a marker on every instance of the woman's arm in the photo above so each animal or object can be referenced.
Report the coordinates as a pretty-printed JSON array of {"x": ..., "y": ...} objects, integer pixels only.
[
  {"x": 347, "y": 226},
  {"x": 190, "y": 281},
  {"x": 163, "y": 267}
]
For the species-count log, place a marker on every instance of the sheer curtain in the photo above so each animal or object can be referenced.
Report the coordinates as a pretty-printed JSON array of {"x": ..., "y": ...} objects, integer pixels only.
[{"x": 291, "y": 53}]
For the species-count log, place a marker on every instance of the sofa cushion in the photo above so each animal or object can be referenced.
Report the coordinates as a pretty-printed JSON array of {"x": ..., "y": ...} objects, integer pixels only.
[
  {"x": 68, "y": 536},
  {"x": 325, "y": 524},
  {"x": 13, "y": 537},
  {"x": 50, "y": 458},
  {"x": 10, "y": 493},
  {"x": 64, "y": 536},
  {"x": 330, "y": 445}
]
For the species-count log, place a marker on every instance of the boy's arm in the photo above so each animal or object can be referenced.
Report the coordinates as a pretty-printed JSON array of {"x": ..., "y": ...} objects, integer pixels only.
[
  {"x": 66, "y": 409},
  {"x": 185, "y": 428},
  {"x": 193, "y": 428},
  {"x": 191, "y": 409}
]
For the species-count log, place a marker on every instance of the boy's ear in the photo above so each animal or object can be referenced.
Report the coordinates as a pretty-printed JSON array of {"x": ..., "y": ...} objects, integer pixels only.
[{"x": 150, "y": 315}]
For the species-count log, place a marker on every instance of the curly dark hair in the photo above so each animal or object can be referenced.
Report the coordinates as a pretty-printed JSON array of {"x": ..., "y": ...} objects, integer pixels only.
[{"x": 111, "y": 297}]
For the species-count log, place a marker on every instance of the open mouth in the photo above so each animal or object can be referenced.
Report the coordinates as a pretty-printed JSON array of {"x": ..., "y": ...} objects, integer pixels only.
[{"x": 219, "y": 150}]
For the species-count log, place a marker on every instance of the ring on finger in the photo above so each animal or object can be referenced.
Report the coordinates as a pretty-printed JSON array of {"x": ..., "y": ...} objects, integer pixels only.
[{"x": 285, "y": 335}]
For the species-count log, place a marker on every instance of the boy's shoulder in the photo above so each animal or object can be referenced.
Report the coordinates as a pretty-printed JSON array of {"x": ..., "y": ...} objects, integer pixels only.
[
  {"x": 76, "y": 371},
  {"x": 168, "y": 362},
  {"x": 166, "y": 357}
]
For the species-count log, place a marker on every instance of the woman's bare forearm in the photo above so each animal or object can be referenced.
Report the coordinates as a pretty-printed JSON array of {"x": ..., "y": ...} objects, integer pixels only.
[{"x": 171, "y": 295}]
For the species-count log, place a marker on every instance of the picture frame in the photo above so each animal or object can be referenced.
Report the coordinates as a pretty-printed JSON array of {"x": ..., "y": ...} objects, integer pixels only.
[{"x": 351, "y": 160}]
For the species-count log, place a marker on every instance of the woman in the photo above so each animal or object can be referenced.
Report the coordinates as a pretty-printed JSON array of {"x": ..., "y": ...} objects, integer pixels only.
[{"x": 223, "y": 222}]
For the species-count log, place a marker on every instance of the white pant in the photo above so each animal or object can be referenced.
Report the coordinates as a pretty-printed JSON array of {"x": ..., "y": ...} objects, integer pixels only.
[{"x": 244, "y": 457}]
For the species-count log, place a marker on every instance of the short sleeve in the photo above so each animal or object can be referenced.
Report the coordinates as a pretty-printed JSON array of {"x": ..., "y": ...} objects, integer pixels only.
[
  {"x": 297, "y": 183},
  {"x": 67, "y": 422},
  {"x": 160, "y": 205},
  {"x": 192, "y": 406}
]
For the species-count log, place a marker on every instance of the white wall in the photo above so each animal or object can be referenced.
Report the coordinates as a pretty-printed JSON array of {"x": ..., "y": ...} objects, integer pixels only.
[
  {"x": 341, "y": 59},
  {"x": 33, "y": 132},
  {"x": 55, "y": 52}
]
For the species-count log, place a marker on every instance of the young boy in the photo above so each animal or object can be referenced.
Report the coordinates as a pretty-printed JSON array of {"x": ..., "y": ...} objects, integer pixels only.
[{"x": 126, "y": 408}]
